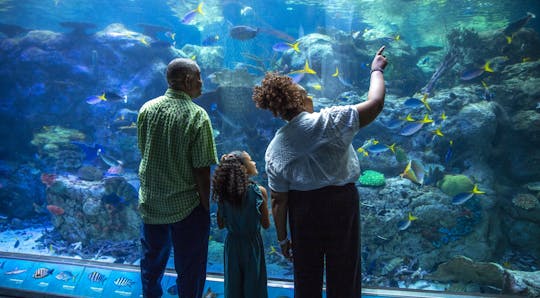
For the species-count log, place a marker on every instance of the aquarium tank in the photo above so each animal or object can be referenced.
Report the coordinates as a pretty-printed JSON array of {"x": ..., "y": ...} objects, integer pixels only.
[{"x": 450, "y": 183}]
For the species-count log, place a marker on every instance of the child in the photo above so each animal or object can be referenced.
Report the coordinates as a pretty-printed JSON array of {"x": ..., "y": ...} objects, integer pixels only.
[{"x": 243, "y": 210}]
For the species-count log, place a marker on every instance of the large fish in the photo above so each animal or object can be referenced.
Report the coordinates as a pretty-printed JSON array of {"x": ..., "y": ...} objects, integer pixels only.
[
  {"x": 243, "y": 32},
  {"x": 514, "y": 27}
]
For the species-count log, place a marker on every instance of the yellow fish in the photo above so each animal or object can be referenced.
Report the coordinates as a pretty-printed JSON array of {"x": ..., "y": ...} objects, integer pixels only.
[
  {"x": 306, "y": 69},
  {"x": 414, "y": 171},
  {"x": 294, "y": 46},
  {"x": 409, "y": 118},
  {"x": 363, "y": 151},
  {"x": 317, "y": 87},
  {"x": 272, "y": 250},
  {"x": 424, "y": 101},
  {"x": 438, "y": 132},
  {"x": 443, "y": 116},
  {"x": 144, "y": 41},
  {"x": 426, "y": 119},
  {"x": 335, "y": 74}
]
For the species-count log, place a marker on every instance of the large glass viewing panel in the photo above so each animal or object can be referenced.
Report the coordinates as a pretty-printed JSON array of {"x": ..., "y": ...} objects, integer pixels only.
[{"x": 450, "y": 182}]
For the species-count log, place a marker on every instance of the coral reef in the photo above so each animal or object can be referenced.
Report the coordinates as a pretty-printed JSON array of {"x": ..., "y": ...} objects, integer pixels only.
[
  {"x": 87, "y": 217},
  {"x": 371, "y": 178},
  {"x": 53, "y": 139},
  {"x": 90, "y": 173},
  {"x": 511, "y": 282},
  {"x": 525, "y": 201}
]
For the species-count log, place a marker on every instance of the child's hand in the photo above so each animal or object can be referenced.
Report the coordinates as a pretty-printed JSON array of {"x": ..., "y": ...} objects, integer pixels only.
[{"x": 286, "y": 250}]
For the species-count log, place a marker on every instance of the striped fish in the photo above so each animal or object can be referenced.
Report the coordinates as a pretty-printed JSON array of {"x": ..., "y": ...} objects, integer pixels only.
[
  {"x": 96, "y": 277},
  {"x": 42, "y": 272},
  {"x": 123, "y": 282}
]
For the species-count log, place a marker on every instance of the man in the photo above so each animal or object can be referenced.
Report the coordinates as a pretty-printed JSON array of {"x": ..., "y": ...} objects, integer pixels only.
[
  {"x": 312, "y": 168},
  {"x": 177, "y": 148}
]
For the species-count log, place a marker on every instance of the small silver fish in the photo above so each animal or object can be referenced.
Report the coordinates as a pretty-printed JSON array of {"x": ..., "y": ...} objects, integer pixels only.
[
  {"x": 42, "y": 272},
  {"x": 96, "y": 277},
  {"x": 123, "y": 282},
  {"x": 15, "y": 271}
]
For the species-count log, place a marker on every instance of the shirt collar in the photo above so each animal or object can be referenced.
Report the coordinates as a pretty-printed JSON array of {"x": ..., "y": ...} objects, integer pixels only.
[{"x": 177, "y": 94}]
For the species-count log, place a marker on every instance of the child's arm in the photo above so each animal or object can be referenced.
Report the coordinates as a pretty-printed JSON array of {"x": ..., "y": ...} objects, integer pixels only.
[
  {"x": 265, "y": 218},
  {"x": 220, "y": 222}
]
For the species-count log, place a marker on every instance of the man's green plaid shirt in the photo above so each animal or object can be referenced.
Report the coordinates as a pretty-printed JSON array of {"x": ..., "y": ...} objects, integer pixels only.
[{"x": 174, "y": 136}]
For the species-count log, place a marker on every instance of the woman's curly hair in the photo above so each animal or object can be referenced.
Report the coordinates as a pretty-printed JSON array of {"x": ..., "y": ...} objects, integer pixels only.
[
  {"x": 230, "y": 179},
  {"x": 278, "y": 94}
]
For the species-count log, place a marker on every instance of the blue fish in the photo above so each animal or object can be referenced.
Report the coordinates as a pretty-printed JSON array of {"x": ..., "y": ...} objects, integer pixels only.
[
  {"x": 106, "y": 96},
  {"x": 190, "y": 16},
  {"x": 403, "y": 225},
  {"x": 284, "y": 46},
  {"x": 114, "y": 199},
  {"x": 449, "y": 152},
  {"x": 90, "y": 152},
  {"x": 281, "y": 47},
  {"x": 462, "y": 198},
  {"x": 210, "y": 40},
  {"x": 213, "y": 107},
  {"x": 411, "y": 128},
  {"x": 297, "y": 77},
  {"x": 413, "y": 103},
  {"x": 377, "y": 148},
  {"x": 394, "y": 124},
  {"x": 465, "y": 196},
  {"x": 471, "y": 74}
]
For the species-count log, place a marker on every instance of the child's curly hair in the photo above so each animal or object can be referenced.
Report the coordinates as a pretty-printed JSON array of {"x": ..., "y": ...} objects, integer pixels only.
[
  {"x": 277, "y": 93},
  {"x": 230, "y": 179}
]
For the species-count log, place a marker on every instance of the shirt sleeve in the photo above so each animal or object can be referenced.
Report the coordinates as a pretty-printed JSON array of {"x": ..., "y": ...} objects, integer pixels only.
[
  {"x": 276, "y": 182},
  {"x": 141, "y": 130},
  {"x": 203, "y": 151}
]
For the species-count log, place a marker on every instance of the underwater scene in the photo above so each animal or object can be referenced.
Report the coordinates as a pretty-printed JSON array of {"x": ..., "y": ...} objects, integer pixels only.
[{"x": 450, "y": 184}]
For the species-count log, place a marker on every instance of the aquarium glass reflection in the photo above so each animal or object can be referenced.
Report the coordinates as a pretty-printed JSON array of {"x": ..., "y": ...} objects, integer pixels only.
[{"x": 450, "y": 169}]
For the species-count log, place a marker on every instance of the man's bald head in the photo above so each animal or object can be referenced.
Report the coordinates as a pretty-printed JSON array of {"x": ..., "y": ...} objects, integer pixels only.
[{"x": 180, "y": 71}]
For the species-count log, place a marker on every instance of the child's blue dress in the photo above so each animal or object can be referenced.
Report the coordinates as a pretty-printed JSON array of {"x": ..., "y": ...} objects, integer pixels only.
[{"x": 245, "y": 268}]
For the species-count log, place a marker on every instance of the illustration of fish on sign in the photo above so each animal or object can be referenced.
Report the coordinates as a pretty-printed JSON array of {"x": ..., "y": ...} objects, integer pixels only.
[
  {"x": 123, "y": 281},
  {"x": 66, "y": 276},
  {"x": 42, "y": 272},
  {"x": 95, "y": 276}
]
